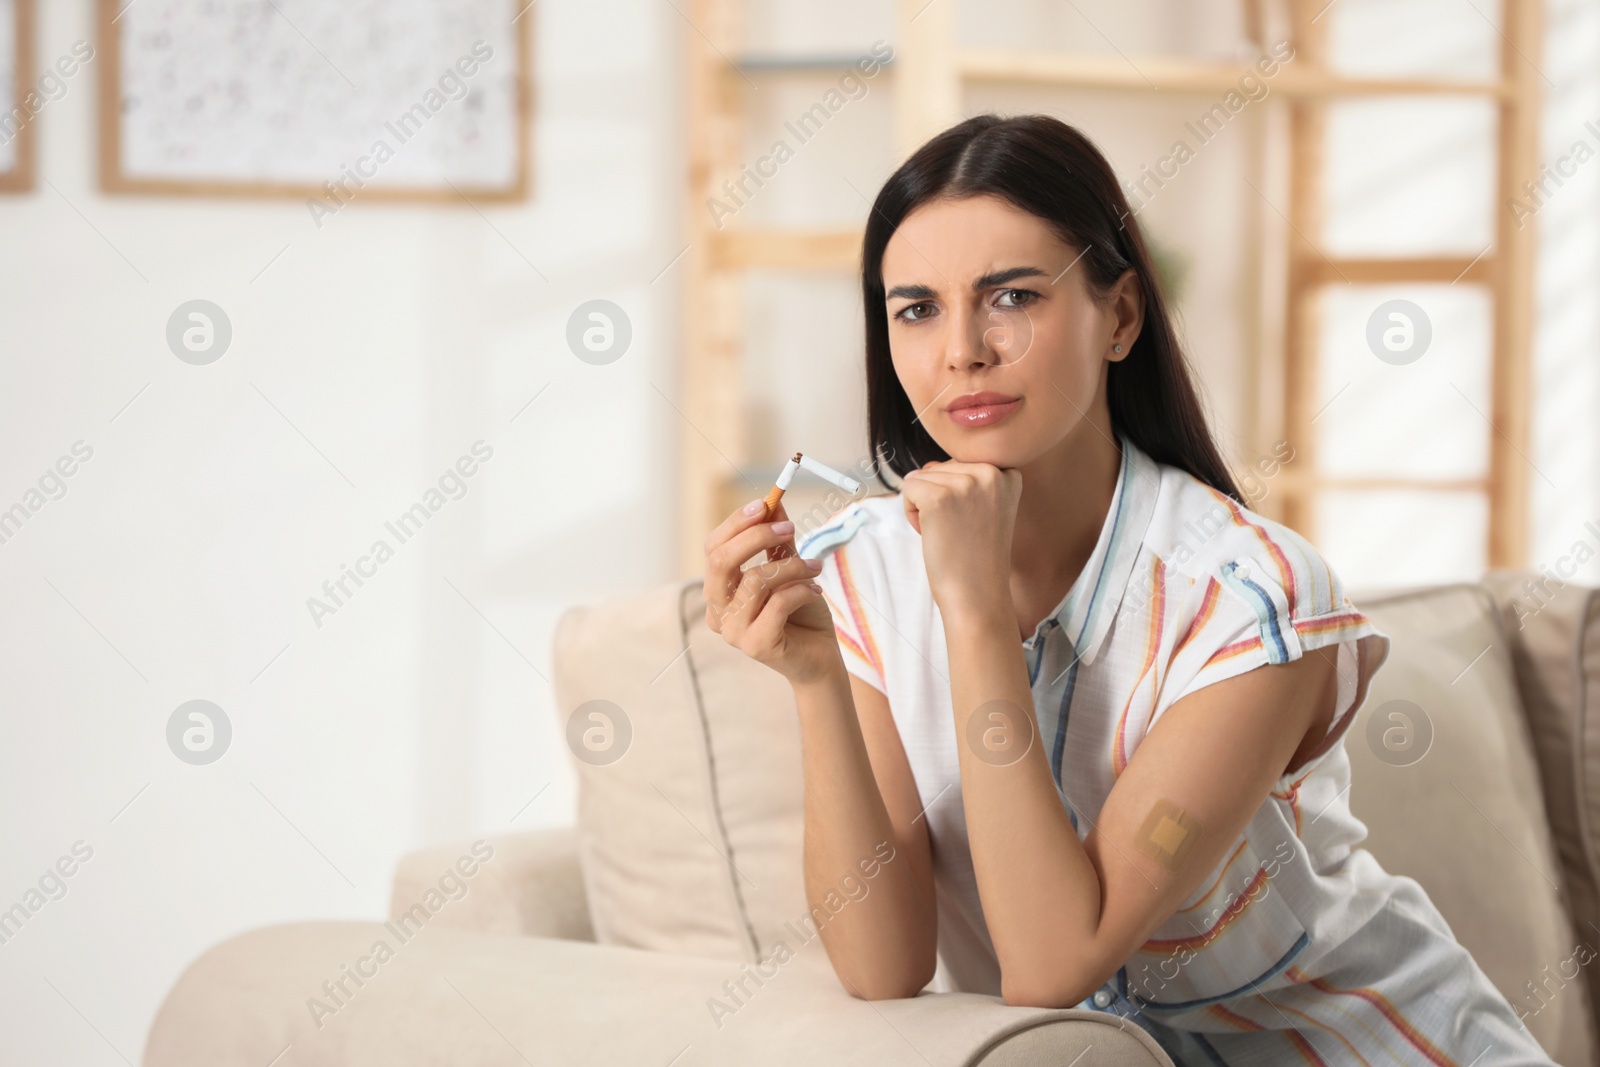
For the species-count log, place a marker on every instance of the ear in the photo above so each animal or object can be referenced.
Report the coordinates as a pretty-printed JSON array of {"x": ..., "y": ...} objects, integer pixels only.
[{"x": 1127, "y": 310}]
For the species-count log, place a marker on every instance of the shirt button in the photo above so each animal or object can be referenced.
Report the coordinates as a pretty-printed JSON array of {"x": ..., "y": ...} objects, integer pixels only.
[
  {"x": 1241, "y": 569},
  {"x": 1102, "y": 999}
]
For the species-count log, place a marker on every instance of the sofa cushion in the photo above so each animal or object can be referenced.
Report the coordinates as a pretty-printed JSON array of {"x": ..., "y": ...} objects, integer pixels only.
[
  {"x": 526, "y": 883},
  {"x": 474, "y": 1000},
  {"x": 690, "y": 840},
  {"x": 1443, "y": 774},
  {"x": 1554, "y": 630}
]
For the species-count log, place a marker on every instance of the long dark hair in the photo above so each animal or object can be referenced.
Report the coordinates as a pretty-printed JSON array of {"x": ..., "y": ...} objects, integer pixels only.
[{"x": 1049, "y": 169}]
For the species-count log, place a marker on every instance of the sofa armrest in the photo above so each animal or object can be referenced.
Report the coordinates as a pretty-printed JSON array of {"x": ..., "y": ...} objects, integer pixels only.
[
  {"x": 460, "y": 997},
  {"x": 528, "y": 884}
]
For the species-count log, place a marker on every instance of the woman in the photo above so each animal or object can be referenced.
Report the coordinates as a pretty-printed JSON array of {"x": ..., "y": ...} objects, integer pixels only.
[{"x": 1095, "y": 704}]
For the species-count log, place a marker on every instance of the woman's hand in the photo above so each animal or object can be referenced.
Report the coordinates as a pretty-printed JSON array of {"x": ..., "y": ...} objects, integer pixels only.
[
  {"x": 966, "y": 513},
  {"x": 772, "y": 612}
]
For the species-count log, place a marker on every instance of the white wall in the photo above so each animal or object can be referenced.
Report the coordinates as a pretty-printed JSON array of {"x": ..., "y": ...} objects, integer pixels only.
[
  {"x": 179, "y": 562},
  {"x": 1566, "y": 430}
]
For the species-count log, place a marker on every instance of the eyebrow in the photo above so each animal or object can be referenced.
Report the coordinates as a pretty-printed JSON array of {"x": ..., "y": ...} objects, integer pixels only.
[{"x": 987, "y": 281}]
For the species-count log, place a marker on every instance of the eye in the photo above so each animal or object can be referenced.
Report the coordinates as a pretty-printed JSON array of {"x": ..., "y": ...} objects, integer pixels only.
[
  {"x": 904, "y": 316},
  {"x": 1017, "y": 298}
]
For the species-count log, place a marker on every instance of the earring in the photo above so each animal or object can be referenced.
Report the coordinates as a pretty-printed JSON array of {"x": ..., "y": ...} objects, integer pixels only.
[{"x": 1116, "y": 348}]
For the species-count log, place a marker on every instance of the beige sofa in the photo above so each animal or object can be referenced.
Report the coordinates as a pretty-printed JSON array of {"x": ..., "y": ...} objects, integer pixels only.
[{"x": 670, "y": 926}]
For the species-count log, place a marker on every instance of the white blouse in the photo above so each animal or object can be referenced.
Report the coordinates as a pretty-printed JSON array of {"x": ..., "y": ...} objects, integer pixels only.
[{"x": 1185, "y": 588}]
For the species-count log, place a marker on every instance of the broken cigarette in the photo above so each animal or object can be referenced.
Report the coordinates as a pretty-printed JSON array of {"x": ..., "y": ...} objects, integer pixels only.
[{"x": 821, "y": 470}]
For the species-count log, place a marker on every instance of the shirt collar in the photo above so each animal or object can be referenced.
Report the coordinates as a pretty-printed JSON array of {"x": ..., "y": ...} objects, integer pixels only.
[{"x": 1091, "y": 604}]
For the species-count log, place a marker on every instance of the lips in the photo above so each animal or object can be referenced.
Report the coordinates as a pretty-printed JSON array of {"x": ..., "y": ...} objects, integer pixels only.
[
  {"x": 982, "y": 409},
  {"x": 976, "y": 400}
]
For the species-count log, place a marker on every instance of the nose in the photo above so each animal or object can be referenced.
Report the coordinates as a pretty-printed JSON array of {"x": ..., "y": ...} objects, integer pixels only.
[{"x": 968, "y": 343}]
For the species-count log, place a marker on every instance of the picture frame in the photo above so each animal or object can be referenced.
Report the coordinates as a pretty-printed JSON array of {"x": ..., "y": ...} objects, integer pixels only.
[
  {"x": 130, "y": 36},
  {"x": 18, "y": 144}
]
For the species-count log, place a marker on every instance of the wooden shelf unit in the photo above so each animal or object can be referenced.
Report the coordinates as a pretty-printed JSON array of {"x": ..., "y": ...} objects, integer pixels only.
[
  {"x": 930, "y": 74},
  {"x": 1504, "y": 269}
]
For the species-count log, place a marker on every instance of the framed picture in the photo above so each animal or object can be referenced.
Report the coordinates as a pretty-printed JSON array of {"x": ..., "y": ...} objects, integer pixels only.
[
  {"x": 19, "y": 96},
  {"x": 423, "y": 100}
]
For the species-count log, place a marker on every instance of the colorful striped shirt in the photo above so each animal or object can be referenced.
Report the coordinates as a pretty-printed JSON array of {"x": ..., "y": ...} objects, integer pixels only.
[{"x": 1298, "y": 947}]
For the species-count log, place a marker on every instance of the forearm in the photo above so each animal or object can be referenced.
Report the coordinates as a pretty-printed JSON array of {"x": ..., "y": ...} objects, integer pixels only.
[
  {"x": 882, "y": 944},
  {"x": 1041, "y": 893}
]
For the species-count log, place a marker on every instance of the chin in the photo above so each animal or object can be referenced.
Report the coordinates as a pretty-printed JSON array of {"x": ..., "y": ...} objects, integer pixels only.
[{"x": 989, "y": 448}]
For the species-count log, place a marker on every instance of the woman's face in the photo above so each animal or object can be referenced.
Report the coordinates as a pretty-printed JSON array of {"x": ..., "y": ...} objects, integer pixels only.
[{"x": 993, "y": 332}]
